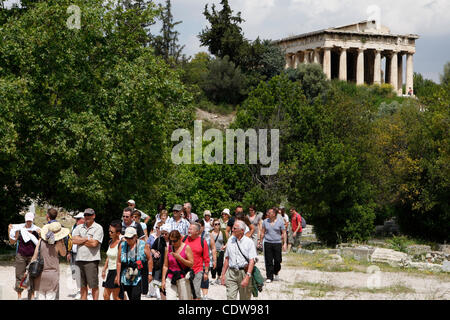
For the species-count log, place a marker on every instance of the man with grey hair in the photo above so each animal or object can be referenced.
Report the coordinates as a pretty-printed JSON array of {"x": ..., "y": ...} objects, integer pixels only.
[
  {"x": 238, "y": 265},
  {"x": 200, "y": 252},
  {"x": 189, "y": 216}
]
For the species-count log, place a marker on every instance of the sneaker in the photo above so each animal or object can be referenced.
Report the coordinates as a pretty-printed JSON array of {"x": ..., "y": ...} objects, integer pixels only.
[
  {"x": 268, "y": 281},
  {"x": 77, "y": 296},
  {"x": 276, "y": 278},
  {"x": 89, "y": 297},
  {"x": 218, "y": 281}
]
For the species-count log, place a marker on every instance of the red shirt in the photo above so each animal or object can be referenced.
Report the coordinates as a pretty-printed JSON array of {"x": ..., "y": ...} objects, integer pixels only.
[
  {"x": 199, "y": 256},
  {"x": 296, "y": 221}
]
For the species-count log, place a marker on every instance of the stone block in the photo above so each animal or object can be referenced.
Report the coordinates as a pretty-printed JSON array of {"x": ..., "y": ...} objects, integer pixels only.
[
  {"x": 418, "y": 249},
  {"x": 392, "y": 257},
  {"x": 445, "y": 248},
  {"x": 446, "y": 266}
]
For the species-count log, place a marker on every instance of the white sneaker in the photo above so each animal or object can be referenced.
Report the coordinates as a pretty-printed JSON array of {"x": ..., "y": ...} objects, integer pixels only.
[
  {"x": 89, "y": 297},
  {"x": 78, "y": 296},
  {"x": 276, "y": 278},
  {"x": 268, "y": 281}
]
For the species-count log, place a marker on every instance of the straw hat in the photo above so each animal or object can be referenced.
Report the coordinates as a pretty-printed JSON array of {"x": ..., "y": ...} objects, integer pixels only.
[{"x": 55, "y": 228}]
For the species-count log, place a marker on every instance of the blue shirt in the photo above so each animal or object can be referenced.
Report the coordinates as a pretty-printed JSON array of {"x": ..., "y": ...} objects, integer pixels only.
[
  {"x": 273, "y": 232},
  {"x": 132, "y": 258}
]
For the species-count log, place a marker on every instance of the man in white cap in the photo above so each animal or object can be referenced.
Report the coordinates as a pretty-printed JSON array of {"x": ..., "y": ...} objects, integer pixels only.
[
  {"x": 72, "y": 257},
  {"x": 132, "y": 204}
]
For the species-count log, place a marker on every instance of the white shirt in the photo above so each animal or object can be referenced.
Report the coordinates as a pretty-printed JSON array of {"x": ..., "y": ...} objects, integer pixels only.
[{"x": 235, "y": 257}]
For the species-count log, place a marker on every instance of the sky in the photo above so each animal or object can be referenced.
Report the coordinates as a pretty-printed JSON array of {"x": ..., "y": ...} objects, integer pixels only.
[{"x": 276, "y": 19}]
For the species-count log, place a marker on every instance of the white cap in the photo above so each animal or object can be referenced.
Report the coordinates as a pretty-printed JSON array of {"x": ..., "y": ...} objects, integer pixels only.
[
  {"x": 130, "y": 232},
  {"x": 79, "y": 215},
  {"x": 227, "y": 211},
  {"x": 165, "y": 227},
  {"x": 131, "y": 201},
  {"x": 207, "y": 213},
  {"x": 29, "y": 216}
]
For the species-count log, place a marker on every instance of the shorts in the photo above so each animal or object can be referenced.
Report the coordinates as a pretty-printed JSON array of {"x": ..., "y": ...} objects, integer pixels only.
[
  {"x": 88, "y": 273},
  {"x": 197, "y": 282},
  {"x": 295, "y": 242},
  {"x": 204, "y": 284},
  {"x": 109, "y": 283}
]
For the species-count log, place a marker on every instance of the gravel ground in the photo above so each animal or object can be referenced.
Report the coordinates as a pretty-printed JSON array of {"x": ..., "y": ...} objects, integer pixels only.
[{"x": 295, "y": 284}]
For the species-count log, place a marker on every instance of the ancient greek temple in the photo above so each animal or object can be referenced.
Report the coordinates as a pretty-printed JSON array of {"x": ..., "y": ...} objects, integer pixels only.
[{"x": 363, "y": 52}]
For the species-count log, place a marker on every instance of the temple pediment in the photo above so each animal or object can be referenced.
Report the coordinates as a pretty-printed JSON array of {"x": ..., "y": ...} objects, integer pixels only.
[{"x": 363, "y": 27}]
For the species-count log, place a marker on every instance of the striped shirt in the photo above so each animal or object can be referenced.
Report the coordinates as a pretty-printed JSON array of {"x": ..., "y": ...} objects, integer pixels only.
[{"x": 182, "y": 225}]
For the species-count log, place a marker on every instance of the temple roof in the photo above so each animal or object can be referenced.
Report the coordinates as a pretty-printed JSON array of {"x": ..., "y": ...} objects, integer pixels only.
[{"x": 362, "y": 28}]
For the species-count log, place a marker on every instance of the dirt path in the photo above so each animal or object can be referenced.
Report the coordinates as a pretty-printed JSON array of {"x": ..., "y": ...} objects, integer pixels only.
[
  {"x": 295, "y": 284},
  {"x": 222, "y": 121}
]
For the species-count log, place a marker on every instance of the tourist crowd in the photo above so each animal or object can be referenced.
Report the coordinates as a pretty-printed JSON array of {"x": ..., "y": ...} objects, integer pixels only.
[{"x": 176, "y": 256}]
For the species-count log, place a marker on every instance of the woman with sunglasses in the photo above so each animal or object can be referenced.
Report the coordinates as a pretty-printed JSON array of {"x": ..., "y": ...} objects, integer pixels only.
[
  {"x": 115, "y": 227},
  {"x": 177, "y": 260},
  {"x": 220, "y": 238}
]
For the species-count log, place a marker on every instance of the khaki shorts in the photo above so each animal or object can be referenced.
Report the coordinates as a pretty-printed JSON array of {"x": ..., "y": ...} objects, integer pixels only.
[{"x": 88, "y": 273}]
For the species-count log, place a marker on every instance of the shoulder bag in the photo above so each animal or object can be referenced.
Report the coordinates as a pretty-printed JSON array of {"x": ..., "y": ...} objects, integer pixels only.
[
  {"x": 257, "y": 278},
  {"x": 36, "y": 267}
]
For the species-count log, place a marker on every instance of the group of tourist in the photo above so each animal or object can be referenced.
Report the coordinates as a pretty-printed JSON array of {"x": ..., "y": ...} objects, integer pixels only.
[{"x": 170, "y": 258}]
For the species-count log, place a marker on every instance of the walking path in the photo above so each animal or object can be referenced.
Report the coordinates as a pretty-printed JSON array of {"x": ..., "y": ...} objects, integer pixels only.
[{"x": 295, "y": 284}]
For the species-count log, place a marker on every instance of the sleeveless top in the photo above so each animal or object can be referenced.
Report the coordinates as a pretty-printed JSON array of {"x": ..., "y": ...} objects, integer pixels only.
[
  {"x": 138, "y": 249},
  {"x": 112, "y": 256},
  {"x": 220, "y": 240},
  {"x": 173, "y": 264}
]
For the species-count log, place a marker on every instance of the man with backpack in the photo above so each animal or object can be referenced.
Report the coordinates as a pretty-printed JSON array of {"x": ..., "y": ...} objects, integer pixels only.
[
  {"x": 201, "y": 258},
  {"x": 297, "y": 228}
]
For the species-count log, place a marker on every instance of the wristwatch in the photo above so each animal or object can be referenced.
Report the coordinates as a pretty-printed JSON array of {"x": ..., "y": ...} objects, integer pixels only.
[
  {"x": 249, "y": 274},
  {"x": 150, "y": 273}
]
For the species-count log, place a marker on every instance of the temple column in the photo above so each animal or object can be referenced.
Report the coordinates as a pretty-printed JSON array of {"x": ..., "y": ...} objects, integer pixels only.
[
  {"x": 394, "y": 72},
  {"x": 287, "y": 57},
  {"x": 377, "y": 68},
  {"x": 360, "y": 67},
  {"x": 296, "y": 59},
  {"x": 400, "y": 74},
  {"x": 317, "y": 56},
  {"x": 327, "y": 62},
  {"x": 409, "y": 72},
  {"x": 343, "y": 64},
  {"x": 306, "y": 59}
]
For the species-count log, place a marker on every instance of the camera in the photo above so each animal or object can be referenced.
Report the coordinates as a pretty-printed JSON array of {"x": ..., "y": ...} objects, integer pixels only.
[{"x": 131, "y": 273}]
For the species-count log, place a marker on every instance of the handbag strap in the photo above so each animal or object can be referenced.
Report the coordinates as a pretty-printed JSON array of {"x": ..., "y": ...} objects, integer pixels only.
[
  {"x": 179, "y": 265},
  {"x": 237, "y": 242}
]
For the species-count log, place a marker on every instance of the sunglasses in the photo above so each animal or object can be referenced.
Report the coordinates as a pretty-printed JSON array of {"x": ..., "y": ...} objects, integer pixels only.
[
  {"x": 125, "y": 216},
  {"x": 217, "y": 224},
  {"x": 173, "y": 241}
]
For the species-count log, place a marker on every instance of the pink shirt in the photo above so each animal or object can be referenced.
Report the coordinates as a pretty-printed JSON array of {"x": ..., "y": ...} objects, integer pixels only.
[{"x": 173, "y": 264}]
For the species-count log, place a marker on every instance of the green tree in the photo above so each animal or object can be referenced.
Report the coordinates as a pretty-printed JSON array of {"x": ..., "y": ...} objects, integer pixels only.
[
  {"x": 445, "y": 77},
  {"x": 93, "y": 123},
  {"x": 224, "y": 81},
  {"x": 166, "y": 44},
  {"x": 312, "y": 79},
  {"x": 224, "y": 36}
]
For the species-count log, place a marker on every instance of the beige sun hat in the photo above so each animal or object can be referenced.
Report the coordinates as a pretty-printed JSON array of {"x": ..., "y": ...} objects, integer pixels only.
[{"x": 58, "y": 231}]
